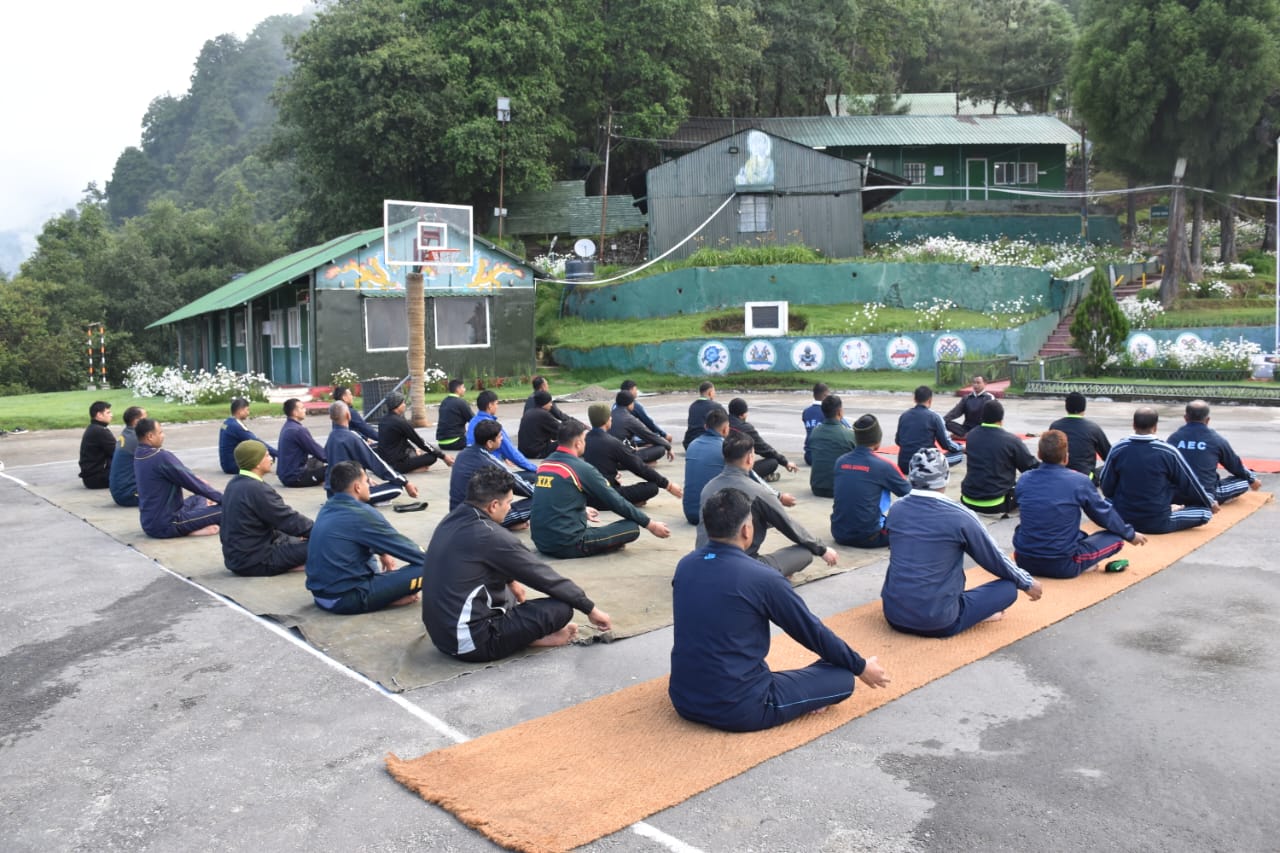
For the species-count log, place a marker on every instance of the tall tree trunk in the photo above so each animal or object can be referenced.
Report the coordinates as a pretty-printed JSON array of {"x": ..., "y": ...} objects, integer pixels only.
[
  {"x": 1174, "y": 251},
  {"x": 1197, "y": 238},
  {"x": 415, "y": 297},
  {"x": 1269, "y": 236},
  {"x": 1227, "y": 218},
  {"x": 1131, "y": 213}
]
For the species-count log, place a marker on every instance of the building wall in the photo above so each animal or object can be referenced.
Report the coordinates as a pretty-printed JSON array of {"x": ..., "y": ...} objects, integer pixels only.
[
  {"x": 947, "y": 167},
  {"x": 813, "y": 197},
  {"x": 1038, "y": 228}
]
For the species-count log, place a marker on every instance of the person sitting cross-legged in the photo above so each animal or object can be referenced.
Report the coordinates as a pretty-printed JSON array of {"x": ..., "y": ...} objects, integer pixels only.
[
  {"x": 452, "y": 418},
  {"x": 302, "y": 460},
  {"x": 1144, "y": 476},
  {"x": 966, "y": 414},
  {"x": 233, "y": 432},
  {"x": 920, "y": 427},
  {"x": 929, "y": 536},
  {"x": 1049, "y": 542},
  {"x": 123, "y": 482},
  {"x": 1087, "y": 443},
  {"x": 768, "y": 458},
  {"x": 488, "y": 436},
  {"x": 536, "y": 437},
  {"x": 864, "y": 488},
  {"x": 626, "y": 426},
  {"x": 723, "y": 604},
  {"x": 609, "y": 454},
  {"x": 397, "y": 439},
  {"x": 1205, "y": 449},
  {"x": 995, "y": 456},
  {"x": 352, "y": 551},
  {"x": 703, "y": 459},
  {"x": 475, "y": 575},
  {"x": 161, "y": 479},
  {"x": 766, "y": 511},
  {"x": 97, "y": 447},
  {"x": 261, "y": 534},
  {"x": 344, "y": 444},
  {"x": 566, "y": 494},
  {"x": 829, "y": 440}
]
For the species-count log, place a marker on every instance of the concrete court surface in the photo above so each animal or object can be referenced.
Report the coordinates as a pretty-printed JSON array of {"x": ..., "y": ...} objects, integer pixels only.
[{"x": 138, "y": 712}]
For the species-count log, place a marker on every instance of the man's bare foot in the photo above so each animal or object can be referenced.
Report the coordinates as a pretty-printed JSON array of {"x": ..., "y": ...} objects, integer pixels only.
[
  {"x": 995, "y": 617},
  {"x": 211, "y": 530},
  {"x": 301, "y": 568},
  {"x": 408, "y": 599},
  {"x": 524, "y": 525},
  {"x": 824, "y": 709},
  {"x": 563, "y": 637}
]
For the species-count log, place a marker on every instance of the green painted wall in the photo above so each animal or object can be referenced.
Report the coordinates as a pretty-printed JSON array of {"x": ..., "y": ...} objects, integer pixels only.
[
  {"x": 1047, "y": 228},
  {"x": 690, "y": 291}
]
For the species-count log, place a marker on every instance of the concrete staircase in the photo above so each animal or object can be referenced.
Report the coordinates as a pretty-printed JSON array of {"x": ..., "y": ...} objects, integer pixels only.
[{"x": 1059, "y": 342}]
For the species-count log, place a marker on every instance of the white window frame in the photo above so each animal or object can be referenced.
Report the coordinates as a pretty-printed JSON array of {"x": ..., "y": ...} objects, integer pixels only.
[
  {"x": 454, "y": 301},
  {"x": 277, "y": 328},
  {"x": 295, "y": 327},
  {"x": 390, "y": 301},
  {"x": 914, "y": 172},
  {"x": 755, "y": 213},
  {"x": 224, "y": 333},
  {"x": 1021, "y": 172},
  {"x": 1028, "y": 172},
  {"x": 240, "y": 331}
]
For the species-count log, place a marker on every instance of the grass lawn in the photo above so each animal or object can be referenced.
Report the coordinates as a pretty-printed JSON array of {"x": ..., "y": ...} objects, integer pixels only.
[
  {"x": 815, "y": 320},
  {"x": 68, "y": 409}
]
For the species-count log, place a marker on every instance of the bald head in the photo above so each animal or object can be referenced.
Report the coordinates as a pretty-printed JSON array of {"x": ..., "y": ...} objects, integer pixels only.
[{"x": 1145, "y": 420}]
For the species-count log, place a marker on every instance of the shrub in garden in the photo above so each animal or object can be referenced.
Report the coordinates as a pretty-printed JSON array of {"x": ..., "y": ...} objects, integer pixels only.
[{"x": 1100, "y": 327}]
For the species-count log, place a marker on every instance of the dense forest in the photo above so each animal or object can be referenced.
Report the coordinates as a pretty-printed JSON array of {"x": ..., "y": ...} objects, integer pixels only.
[{"x": 298, "y": 132}]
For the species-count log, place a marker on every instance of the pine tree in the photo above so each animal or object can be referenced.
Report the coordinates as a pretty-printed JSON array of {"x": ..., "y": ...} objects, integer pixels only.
[{"x": 1100, "y": 327}]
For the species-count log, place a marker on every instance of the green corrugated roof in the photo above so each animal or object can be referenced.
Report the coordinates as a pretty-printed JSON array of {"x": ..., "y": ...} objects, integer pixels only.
[
  {"x": 922, "y": 104},
  {"x": 872, "y": 131},
  {"x": 264, "y": 279}
]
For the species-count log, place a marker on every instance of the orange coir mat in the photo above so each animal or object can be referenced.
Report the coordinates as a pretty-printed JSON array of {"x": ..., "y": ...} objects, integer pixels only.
[{"x": 657, "y": 760}]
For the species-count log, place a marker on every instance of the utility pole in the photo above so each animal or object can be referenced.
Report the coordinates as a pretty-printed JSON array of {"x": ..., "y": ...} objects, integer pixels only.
[
  {"x": 1173, "y": 270},
  {"x": 604, "y": 198},
  {"x": 504, "y": 119},
  {"x": 1084, "y": 186}
]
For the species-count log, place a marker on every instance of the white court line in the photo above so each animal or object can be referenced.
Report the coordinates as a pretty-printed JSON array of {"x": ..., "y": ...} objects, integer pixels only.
[
  {"x": 14, "y": 479},
  {"x": 440, "y": 726}
]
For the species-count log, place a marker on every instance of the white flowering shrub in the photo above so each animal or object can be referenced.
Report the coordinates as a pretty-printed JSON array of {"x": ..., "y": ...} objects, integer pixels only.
[
  {"x": 552, "y": 265},
  {"x": 933, "y": 314},
  {"x": 864, "y": 319},
  {"x": 178, "y": 385},
  {"x": 1210, "y": 289},
  {"x": 1197, "y": 355},
  {"x": 1140, "y": 312},
  {"x": 1230, "y": 271},
  {"x": 344, "y": 376},
  {"x": 1057, "y": 258}
]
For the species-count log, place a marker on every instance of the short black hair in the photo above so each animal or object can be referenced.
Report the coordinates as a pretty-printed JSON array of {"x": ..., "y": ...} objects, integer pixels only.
[
  {"x": 1075, "y": 403},
  {"x": 541, "y": 397},
  {"x": 569, "y": 430},
  {"x": 820, "y": 391},
  {"x": 715, "y": 419},
  {"x": 340, "y": 391},
  {"x": 992, "y": 412},
  {"x": 736, "y": 446},
  {"x": 489, "y": 483},
  {"x": 485, "y": 399},
  {"x": 344, "y": 474},
  {"x": 923, "y": 394},
  {"x": 291, "y": 405},
  {"x": 98, "y": 407},
  {"x": 538, "y": 382},
  {"x": 627, "y": 385},
  {"x": 456, "y": 385},
  {"x": 486, "y": 431},
  {"x": 144, "y": 427},
  {"x": 238, "y": 403},
  {"x": 706, "y": 386},
  {"x": 132, "y": 414},
  {"x": 724, "y": 513},
  {"x": 831, "y": 406},
  {"x": 624, "y": 399},
  {"x": 737, "y": 407}
]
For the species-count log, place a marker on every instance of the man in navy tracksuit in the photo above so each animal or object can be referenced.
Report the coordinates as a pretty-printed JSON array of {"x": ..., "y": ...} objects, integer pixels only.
[
  {"x": 1144, "y": 476},
  {"x": 703, "y": 460},
  {"x": 161, "y": 479},
  {"x": 812, "y": 416},
  {"x": 995, "y": 456},
  {"x": 920, "y": 427},
  {"x": 1204, "y": 451},
  {"x": 488, "y": 435},
  {"x": 924, "y": 586},
  {"x": 698, "y": 411},
  {"x": 232, "y": 433},
  {"x": 1049, "y": 542},
  {"x": 864, "y": 486},
  {"x": 724, "y": 603}
]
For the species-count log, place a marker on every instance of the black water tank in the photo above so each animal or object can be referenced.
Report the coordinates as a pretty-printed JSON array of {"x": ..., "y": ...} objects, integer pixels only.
[{"x": 579, "y": 269}]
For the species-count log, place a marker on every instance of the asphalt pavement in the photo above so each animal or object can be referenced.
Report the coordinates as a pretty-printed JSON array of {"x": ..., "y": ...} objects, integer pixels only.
[{"x": 140, "y": 712}]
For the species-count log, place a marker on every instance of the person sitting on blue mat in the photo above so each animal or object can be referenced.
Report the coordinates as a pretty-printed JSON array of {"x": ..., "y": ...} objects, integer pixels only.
[
  {"x": 232, "y": 433},
  {"x": 724, "y": 603}
]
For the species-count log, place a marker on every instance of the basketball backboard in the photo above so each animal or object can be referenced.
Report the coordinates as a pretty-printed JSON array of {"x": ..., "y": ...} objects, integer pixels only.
[{"x": 419, "y": 234}]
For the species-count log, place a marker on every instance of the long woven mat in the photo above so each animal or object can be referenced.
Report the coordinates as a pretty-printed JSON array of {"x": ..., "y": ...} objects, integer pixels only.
[{"x": 657, "y": 760}]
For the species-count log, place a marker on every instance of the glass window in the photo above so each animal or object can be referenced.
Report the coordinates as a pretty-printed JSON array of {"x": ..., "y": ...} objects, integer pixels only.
[
  {"x": 277, "y": 329},
  {"x": 913, "y": 172},
  {"x": 386, "y": 324},
  {"x": 1028, "y": 173},
  {"x": 295, "y": 328},
  {"x": 461, "y": 322},
  {"x": 224, "y": 337},
  {"x": 239, "y": 330},
  {"x": 755, "y": 214}
]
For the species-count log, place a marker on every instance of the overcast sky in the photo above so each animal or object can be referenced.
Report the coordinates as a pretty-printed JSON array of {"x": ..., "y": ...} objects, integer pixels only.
[{"x": 78, "y": 78}]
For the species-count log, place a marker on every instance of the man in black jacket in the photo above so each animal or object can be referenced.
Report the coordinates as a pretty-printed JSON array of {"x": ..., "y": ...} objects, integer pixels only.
[
  {"x": 968, "y": 409},
  {"x": 698, "y": 412},
  {"x": 261, "y": 535},
  {"x": 627, "y": 426},
  {"x": 536, "y": 438},
  {"x": 474, "y": 604},
  {"x": 540, "y": 383},
  {"x": 455, "y": 413},
  {"x": 995, "y": 457},
  {"x": 97, "y": 445},
  {"x": 609, "y": 455},
  {"x": 768, "y": 460},
  {"x": 397, "y": 438}
]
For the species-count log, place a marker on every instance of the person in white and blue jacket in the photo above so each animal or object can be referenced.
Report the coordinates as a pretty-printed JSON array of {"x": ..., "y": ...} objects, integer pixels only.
[
  {"x": 1204, "y": 449},
  {"x": 929, "y": 536}
]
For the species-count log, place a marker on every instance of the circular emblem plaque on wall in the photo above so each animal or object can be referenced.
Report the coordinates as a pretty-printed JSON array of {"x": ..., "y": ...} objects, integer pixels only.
[
  {"x": 807, "y": 354},
  {"x": 760, "y": 355},
  {"x": 948, "y": 347},
  {"x": 855, "y": 354},
  {"x": 902, "y": 352},
  {"x": 713, "y": 357}
]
